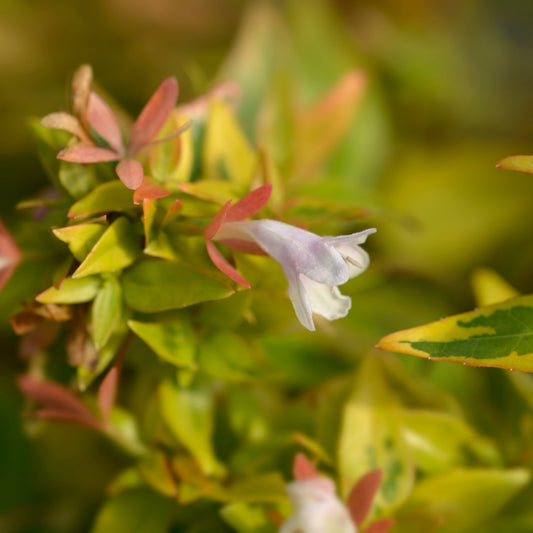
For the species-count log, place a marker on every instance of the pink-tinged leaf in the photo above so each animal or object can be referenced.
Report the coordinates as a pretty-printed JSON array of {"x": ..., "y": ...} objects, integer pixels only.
[
  {"x": 57, "y": 399},
  {"x": 9, "y": 255},
  {"x": 523, "y": 163},
  {"x": 108, "y": 391},
  {"x": 228, "y": 91},
  {"x": 62, "y": 416},
  {"x": 131, "y": 173},
  {"x": 103, "y": 120},
  {"x": 212, "y": 228},
  {"x": 175, "y": 133},
  {"x": 66, "y": 122},
  {"x": 380, "y": 526},
  {"x": 222, "y": 264},
  {"x": 362, "y": 495},
  {"x": 303, "y": 468},
  {"x": 154, "y": 115},
  {"x": 172, "y": 213},
  {"x": 81, "y": 153},
  {"x": 251, "y": 204},
  {"x": 148, "y": 190},
  {"x": 81, "y": 89}
]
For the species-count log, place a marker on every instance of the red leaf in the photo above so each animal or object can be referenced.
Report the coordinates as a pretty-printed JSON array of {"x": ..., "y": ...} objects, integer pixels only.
[
  {"x": 303, "y": 468},
  {"x": 102, "y": 119},
  {"x": 251, "y": 204},
  {"x": 222, "y": 264},
  {"x": 131, "y": 173},
  {"x": 87, "y": 154},
  {"x": 62, "y": 416},
  {"x": 108, "y": 391},
  {"x": 380, "y": 526},
  {"x": 9, "y": 255},
  {"x": 148, "y": 190},
  {"x": 211, "y": 229},
  {"x": 172, "y": 212},
  {"x": 57, "y": 400},
  {"x": 362, "y": 495},
  {"x": 154, "y": 115}
]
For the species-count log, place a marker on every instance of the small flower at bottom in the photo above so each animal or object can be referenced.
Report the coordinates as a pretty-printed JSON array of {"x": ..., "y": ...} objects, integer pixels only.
[
  {"x": 314, "y": 266},
  {"x": 317, "y": 509}
]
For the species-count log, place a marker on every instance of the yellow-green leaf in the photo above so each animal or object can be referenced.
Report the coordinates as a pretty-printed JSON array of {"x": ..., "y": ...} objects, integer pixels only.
[
  {"x": 116, "y": 249},
  {"x": 523, "y": 163},
  {"x": 173, "y": 341},
  {"x": 110, "y": 196},
  {"x": 490, "y": 288},
  {"x": 371, "y": 437},
  {"x": 106, "y": 311},
  {"x": 227, "y": 153},
  {"x": 500, "y": 335},
  {"x": 80, "y": 238},
  {"x": 72, "y": 291}
]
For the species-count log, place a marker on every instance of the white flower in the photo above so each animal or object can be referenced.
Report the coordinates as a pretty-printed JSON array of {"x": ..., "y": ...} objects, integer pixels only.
[
  {"x": 316, "y": 508},
  {"x": 314, "y": 266}
]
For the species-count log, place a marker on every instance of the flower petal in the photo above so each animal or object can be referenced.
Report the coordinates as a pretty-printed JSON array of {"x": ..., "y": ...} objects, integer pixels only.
[
  {"x": 295, "y": 249},
  {"x": 325, "y": 300},
  {"x": 87, "y": 154},
  {"x": 154, "y": 115},
  {"x": 222, "y": 264},
  {"x": 102, "y": 119},
  {"x": 130, "y": 173}
]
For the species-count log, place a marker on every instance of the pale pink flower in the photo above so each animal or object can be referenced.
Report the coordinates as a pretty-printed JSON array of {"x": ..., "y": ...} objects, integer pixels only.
[{"x": 314, "y": 266}]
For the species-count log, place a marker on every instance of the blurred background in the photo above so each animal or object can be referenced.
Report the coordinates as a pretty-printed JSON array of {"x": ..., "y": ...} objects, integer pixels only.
[{"x": 450, "y": 94}]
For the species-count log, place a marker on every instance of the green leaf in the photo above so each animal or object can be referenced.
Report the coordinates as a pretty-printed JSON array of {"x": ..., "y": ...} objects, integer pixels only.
[
  {"x": 371, "y": 437},
  {"x": 106, "y": 311},
  {"x": 71, "y": 291},
  {"x": 246, "y": 518},
  {"x": 188, "y": 413},
  {"x": 81, "y": 238},
  {"x": 77, "y": 179},
  {"x": 116, "y": 249},
  {"x": 464, "y": 499},
  {"x": 49, "y": 142},
  {"x": 440, "y": 440},
  {"x": 500, "y": 335},
  {"x": 227, "y": 153},
  {"x": 139, "y": 510},
  {"x": 523, "y": 163},
  {"x": 226, "y": 356},
  {"x": 110, "y": 196},
  {"x": 174, "y": 341},
  {"x": 154, "y": 285}
]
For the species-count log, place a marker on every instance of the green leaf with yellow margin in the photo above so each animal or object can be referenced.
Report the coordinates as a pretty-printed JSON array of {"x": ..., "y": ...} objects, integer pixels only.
[
  {"x": 116, "y": 249},
  {"x": 500, "y": 335},
  {"x": 372, "y": 437}
]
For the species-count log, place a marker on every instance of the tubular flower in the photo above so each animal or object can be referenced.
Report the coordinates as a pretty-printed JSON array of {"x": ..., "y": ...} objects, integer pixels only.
[
  {"x": 314, "y": 266},
  {"x": 102, "y": 120},
  {"x": 317, "y": 509}
]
